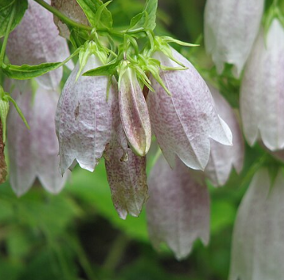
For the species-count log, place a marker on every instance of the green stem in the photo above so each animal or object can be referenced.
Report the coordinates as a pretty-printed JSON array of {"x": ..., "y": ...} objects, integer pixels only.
[
  {"x": 5, "y": 41},
  {"x": 61, "y": 16}
]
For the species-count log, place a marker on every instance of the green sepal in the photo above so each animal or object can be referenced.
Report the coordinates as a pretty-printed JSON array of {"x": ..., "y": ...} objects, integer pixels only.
[
  {"x": 4, "y": 109},
  {"x": 105, "y": 70},
  {"x": 169, "y": 39},
  {"x": 6, "y": 7}
]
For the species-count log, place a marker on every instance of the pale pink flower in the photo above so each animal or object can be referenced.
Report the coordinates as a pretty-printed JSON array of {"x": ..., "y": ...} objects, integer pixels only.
[
  {"x": 262, "y": 90},
  {"x": 230, "y": 28}
]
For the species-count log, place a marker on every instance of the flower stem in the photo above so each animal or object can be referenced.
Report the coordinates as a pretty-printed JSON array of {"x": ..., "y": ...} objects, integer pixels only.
[
  {"x": 61, "y": 16},
  {"x": 5, "y": 41}
]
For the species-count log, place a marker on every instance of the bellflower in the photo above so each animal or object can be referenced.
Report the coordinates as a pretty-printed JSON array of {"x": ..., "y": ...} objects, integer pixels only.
[
  {"x": 230, "y": 29},
  {"x": 84, "y": 118},
  {"x": 178, "y": 210},
  {"x": 224, "y": 158},
  {"x": 262, "y": 90},
  {"x": 35, "y": 40},
  {"x": 184, "y": 122},
  {"x": 126, "y": 172},
  {"x": 34, "y": 153},
  {"x": 257, "y": 249},
  {"x": 134, "y": 112}
]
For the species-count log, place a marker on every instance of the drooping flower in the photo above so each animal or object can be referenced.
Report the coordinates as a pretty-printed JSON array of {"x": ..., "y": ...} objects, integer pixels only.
[
  {"x": 178, "y": 210},
  {"x": 35, "y": 40},
  {"x": 72, "y": 10},
  {"x": 184, "y": 122},
  {"x": 84, "y": 118},
  {"x": 224, "y": 158},
  {"x": 34, "y": 153},
  {"x": 262, "y": 90},
  {"x": 134, "y": 113},
  {"x": 230, "y": 30},
  {"x": 126, "y": 172},
  {"x": 258, "y": 249}
]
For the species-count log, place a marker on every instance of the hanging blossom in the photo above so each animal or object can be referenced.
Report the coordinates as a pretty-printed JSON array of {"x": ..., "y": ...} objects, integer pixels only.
[
  {"x": 262, "y": 90},
  {"x": 36, "y": 40},
  {"x": 184, "y": 122},
  {"x": 230, "y": 28},
  {"x": 178, "y": 210},
  {"x": 33, "y": 153},
  {"x": 224, "y": 158},
  {"x": 257, "y": 249}
]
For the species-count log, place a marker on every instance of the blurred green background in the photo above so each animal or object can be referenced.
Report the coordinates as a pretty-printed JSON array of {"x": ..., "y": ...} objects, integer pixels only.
[{"x": 78, "y": 234}]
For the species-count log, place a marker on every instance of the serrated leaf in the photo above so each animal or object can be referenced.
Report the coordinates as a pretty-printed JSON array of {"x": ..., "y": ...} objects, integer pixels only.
[
  {"x": 147, "y": 18},
  {"x": 6, "y": 7},
  {"x": 26, "y": 72},
  {"x": 90, "y": 8}
]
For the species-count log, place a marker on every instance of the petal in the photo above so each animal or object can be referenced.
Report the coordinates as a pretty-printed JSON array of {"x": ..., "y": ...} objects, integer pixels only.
[
  {"x": 45, "y": 143},
  {"x": 36, "y": 41},
  {"x": 134, "y": 113},
  {"x": 72, "y": 10},
  {"x": 224, "y": 158},
  {"x": 230, "y": 28},
  {"x": 178, "y": 208},
  {"x": 184, "y": 122},
  {"x": 262, "y": 90},
  {"x": 126, "y": 173},
  {"x": 258, "y": 234},
  {"x": 84, "y": 118}
]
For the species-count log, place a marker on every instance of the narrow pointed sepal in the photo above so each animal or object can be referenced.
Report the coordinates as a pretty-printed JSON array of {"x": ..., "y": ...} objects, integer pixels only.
[
  {"x": 134, "y": 113},
  {"x": 224, "y": 158},
  {"x": 33, "y": 153},
  {"x": 230, "y": 28},
  {"x": 84, "y": 118},
  {"x": 184, "y": 122},
  {"x": 262, "y": 90},
  {"x": 35, "y": 40},
  {"x": 257, "y": 248},
  {"x": 178, "y": 210},
  {"x": 126, "y": 173}
]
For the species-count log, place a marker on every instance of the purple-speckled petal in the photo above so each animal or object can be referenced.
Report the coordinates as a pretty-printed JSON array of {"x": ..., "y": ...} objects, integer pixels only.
[
  {"x": 72, "y": 10},
  {"x": 262, "y": 90},
  {"x": 36, "y": 41},
  {"x": 134, "y": 113},
  {"x": 230, "y": 28},
  {"x": 34, "y": 153},
  {"x": 184, "y": 122},
  {"x": 258, "y": 249},
  {"x": 178, "y": 210},
  {"x": 84, "y": 118},
  {"x": 224, "y": 158},
  {"x": 45, "y": 143},
  {"x": 126, "y": 173}
]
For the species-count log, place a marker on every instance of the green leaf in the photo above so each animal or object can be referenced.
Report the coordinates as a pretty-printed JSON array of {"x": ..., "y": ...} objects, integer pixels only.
[
  {"x": 106, "y": 70},
  {"x": 91, "y": 7},
  {"x": 25, "y": 72},
  {"x": 146, "y": 19},
  {"x": 6, "y": 7}
]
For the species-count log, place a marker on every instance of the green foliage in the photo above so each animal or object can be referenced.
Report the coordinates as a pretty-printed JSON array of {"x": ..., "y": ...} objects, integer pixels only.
[{"x": 6, "y": 7}]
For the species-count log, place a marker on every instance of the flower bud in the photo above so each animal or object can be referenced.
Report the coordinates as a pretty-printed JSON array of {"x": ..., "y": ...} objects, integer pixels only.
[
  {"x": 178, "y": 210},
  {"x": 184, "y": 122},
  {"x": 230, "y": 30},
  {"x": 126, "y": 173},
  {"x": 262, "y": 90},
  {"x": 35, "y": 40},
  {"x": 34, "y": 153},
  {"x": 134, "y": 113},
  {"x": 84, "y": 118},
  {"x": 257, "y": 248},
  {"x": 224, "y": 158}
]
